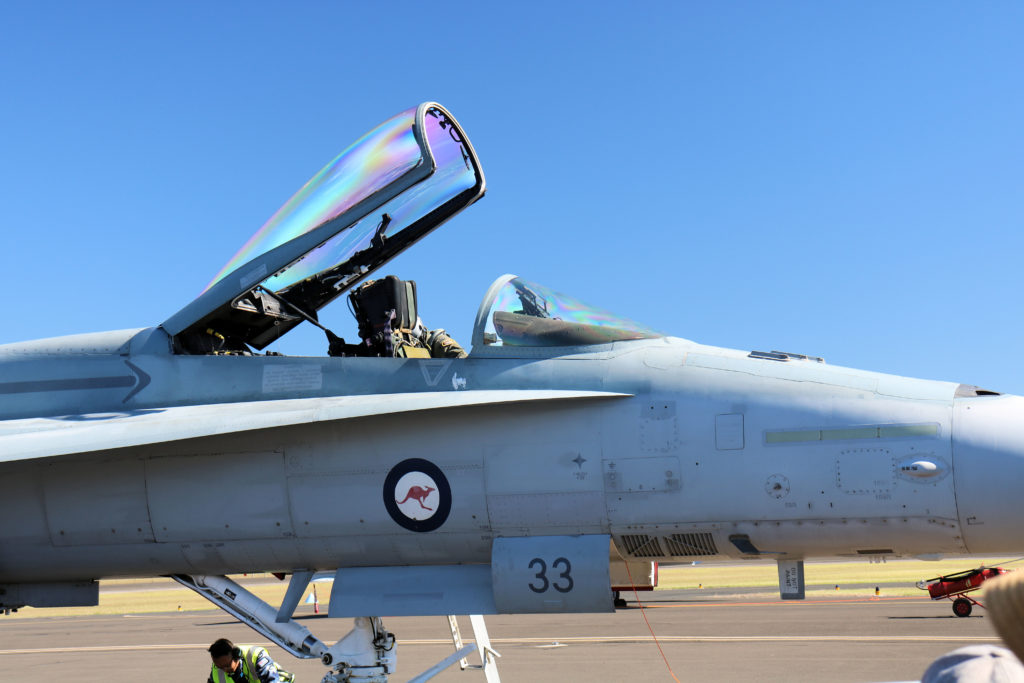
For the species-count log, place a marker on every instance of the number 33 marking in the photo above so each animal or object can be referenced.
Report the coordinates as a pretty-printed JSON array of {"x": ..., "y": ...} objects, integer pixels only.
[{"x": 543, "y": 577}]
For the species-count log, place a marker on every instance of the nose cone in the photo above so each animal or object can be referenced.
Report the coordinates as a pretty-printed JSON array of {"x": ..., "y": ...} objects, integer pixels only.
[{"x": 988, "y": 472}]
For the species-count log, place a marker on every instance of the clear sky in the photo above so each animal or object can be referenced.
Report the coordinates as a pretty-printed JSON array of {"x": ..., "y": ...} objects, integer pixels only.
[{"x": 841, "y": 179}]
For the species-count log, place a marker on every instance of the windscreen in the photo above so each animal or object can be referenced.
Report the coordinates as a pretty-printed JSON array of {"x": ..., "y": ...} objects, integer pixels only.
[{"x": 523, "y": 313}]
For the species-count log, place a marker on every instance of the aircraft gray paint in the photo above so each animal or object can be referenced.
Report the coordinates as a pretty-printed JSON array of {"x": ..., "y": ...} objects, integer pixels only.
[{"x": 492, "y": 483}]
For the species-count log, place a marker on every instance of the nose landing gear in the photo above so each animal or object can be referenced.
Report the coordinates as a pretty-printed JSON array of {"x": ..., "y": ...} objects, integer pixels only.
[{"x": 366, "y": 654}]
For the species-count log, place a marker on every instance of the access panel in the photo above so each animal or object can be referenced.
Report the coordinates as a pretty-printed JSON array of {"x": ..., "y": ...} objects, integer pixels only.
[{"x": 551, "y": 574}]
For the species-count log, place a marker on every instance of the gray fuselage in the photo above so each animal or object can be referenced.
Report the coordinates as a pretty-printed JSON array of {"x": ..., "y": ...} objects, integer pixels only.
[{"x": 694, "y": 452}]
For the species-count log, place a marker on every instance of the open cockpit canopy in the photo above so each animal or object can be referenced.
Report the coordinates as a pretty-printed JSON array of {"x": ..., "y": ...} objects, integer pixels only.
[
  {"x": 386, "y": 191},
  {"x": 517, "y": 312}
]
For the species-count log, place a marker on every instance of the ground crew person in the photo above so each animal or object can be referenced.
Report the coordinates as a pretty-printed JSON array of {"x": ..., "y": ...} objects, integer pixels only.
[{"x": 244, "y": 664}]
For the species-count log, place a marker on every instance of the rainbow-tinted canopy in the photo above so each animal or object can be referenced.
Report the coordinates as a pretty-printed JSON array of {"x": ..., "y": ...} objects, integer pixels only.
[
  {"x": 387, "y": 190},
  {"x": 516, "y": 312}
]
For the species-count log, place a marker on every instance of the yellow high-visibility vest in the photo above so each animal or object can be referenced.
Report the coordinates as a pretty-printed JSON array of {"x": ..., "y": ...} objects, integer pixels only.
[{"x": 248, "y": 661}]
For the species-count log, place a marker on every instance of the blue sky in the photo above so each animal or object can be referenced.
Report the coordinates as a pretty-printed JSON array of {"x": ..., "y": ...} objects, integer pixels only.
[{"x": 839, "y": 179}]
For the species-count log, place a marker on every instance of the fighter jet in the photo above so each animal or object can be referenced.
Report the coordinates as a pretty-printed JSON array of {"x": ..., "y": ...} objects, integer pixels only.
[{"x": 429, "y": 481}]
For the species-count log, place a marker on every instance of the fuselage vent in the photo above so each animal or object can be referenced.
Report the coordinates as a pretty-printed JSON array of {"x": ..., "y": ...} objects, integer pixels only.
[
  {"x": 784, "y": 356},
  {"x": 691, "y": 545},
  {"x": 642, "y": 545},
  {"x": 971, "y": 391}
]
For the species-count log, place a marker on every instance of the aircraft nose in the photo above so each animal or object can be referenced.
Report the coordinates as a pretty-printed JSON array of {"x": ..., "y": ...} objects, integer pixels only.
[{"x": 988, "y": 472}]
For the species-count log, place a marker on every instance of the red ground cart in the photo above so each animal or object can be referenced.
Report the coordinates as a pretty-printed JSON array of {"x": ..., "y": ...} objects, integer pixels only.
[{"x": 957, "y": 586}]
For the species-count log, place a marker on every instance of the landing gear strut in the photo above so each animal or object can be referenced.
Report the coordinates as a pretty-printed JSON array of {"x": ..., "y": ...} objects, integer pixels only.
[{"x": 365, "y": 655}]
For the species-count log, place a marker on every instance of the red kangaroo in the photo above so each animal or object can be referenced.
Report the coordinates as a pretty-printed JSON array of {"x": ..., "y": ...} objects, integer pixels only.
[{"x": 420, "y": 494}]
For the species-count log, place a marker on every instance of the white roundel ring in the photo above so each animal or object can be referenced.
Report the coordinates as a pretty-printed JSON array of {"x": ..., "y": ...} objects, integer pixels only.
[{"x": 417, "y": 495}]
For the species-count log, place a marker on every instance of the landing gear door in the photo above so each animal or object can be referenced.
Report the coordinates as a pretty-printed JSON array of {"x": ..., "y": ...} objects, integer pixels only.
[{"x": 551, "y": 574}]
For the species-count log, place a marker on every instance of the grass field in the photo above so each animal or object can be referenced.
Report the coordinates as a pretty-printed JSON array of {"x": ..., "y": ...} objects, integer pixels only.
[{"x": 894, "y": 578}]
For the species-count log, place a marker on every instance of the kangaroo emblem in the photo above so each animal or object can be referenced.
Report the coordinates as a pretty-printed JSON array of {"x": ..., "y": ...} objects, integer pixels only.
[{"x": 419, "y": 494}]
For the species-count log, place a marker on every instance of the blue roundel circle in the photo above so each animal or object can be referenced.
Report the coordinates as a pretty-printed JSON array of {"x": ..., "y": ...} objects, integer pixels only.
[{"x": 417, "y": 495}]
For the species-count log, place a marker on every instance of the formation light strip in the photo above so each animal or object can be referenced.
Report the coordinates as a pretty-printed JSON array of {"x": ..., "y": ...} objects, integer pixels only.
[{"x": 847, "y": 433}]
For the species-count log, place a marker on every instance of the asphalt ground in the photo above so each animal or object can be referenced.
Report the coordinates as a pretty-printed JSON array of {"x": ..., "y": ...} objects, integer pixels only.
[{"x": 705, "y": 636}]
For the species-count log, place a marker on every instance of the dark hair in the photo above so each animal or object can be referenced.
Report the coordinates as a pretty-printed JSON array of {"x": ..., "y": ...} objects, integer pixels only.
[{"x": 222, "y": 647}]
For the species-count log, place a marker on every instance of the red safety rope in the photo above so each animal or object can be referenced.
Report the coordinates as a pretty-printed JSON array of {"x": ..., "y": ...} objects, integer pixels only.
[{"x": 643, "y": 611}]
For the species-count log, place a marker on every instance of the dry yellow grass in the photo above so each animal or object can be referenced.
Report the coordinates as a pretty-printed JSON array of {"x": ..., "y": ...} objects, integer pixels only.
[{"x": 853, "y": 577}]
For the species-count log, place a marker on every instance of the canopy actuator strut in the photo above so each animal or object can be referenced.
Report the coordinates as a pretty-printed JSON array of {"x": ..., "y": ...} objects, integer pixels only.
[{"x": 333, "y": 340}]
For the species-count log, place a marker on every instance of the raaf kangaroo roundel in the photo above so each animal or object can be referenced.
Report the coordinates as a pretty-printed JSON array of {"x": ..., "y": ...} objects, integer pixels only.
[{"x": 419, "y": 494}]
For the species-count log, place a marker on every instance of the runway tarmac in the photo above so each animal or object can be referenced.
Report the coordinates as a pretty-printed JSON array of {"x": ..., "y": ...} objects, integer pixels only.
[{"x": 705, "y": 636}]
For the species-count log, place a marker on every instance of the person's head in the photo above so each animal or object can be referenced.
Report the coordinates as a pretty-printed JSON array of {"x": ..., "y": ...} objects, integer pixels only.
[
  {"x": 975, "y": 664},
  {"x": 1004, "y": 598},
  {"x": 225, "y": 655}
]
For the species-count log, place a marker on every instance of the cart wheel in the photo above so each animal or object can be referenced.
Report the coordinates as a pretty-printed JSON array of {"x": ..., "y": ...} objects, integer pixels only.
[{"x": 962, "y": 607}]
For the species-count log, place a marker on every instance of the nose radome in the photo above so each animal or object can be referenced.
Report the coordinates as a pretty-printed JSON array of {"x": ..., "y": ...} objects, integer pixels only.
[{"x": 988, "y": 472}]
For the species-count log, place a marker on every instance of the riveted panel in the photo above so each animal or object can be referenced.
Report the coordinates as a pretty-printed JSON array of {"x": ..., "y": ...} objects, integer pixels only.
[
  {"x": 865, "y": 471},
  {"x": 97, "y": 503},
  {"x": 226, "y": 496},
  {"x": 642, "y": 475},
  {"x": 659, "y": 426}
]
